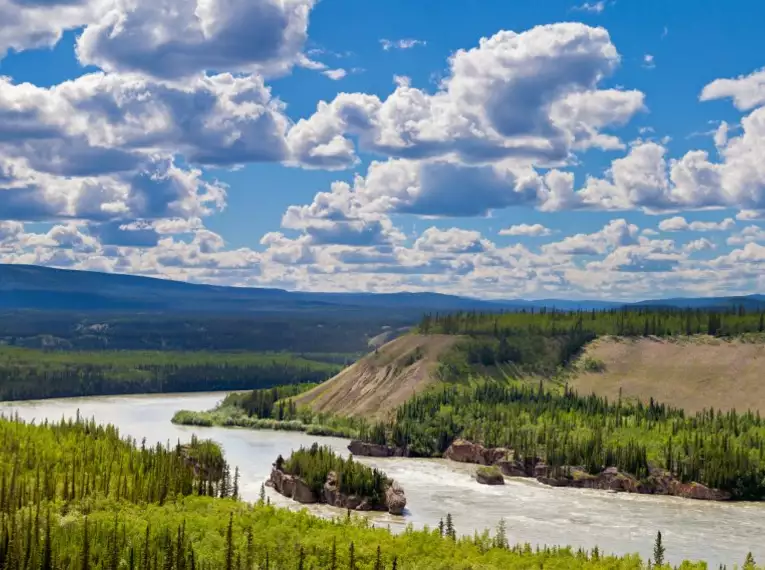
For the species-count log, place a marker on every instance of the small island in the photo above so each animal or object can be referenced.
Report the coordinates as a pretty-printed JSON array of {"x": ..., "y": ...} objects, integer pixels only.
[{"x": 318, "y": 475}]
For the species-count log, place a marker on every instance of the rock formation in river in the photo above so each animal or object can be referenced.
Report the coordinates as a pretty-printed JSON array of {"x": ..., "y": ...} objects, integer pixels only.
[
  {"x": 658, "y": 482},
  {"x": 490, "y": 475},
  {"x": 296, "y": 489}
]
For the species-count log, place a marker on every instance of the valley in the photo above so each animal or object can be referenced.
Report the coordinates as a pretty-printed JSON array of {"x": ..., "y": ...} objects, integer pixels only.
[{"x": 516, "y": 420}]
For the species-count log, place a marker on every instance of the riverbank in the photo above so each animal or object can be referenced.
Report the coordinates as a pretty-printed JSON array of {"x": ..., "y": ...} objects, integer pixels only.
[
  {"x": 658, "y": 481},
  {"x": 231, "y": 416},
  {"x": 620, "y": 523}
]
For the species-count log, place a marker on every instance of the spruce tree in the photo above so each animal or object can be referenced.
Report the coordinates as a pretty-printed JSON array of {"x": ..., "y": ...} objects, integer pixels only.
[
  {"x": 658, "y": 550},
  {"x": 450, "y": 532},
  {"x": 230, "y": 543},
  {"x": 749, "y": 563},
  {"x": 47, "y": 556},
  {"x": 378, "y": 559},
  {"x": 85, "y": 552}
]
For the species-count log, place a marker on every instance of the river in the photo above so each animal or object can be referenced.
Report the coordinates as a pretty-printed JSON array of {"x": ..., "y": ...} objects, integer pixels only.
[{"x": 719, "y": 533}]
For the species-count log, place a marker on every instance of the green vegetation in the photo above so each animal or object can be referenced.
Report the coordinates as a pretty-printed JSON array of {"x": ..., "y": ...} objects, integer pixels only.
[
  {"x": 314, "y": 464},
  {"x": 344, "y": 333},
  {"x": 721, "y": 450},
  {"x": 543, "y": 342},
  {"x": 31, "y": 374},
  {"x": 77, "y": 497},
  {"x": 629, "y": 321},
  {"x": 273, "y": 408}
]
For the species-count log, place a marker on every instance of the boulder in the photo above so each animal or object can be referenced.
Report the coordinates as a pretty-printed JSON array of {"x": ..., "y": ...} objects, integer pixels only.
[
  {"x": 700, "y": 492},
  {"x": 541, "y": 470},
  {"x": 302, "y": 493},
  {"x": 365, "y": 449},
  {"x": 489, "y": 476},
  {"x": 512, "y": 468},
  {"x": 464, "y": 451},
  {"x": 395, "y": 499}
]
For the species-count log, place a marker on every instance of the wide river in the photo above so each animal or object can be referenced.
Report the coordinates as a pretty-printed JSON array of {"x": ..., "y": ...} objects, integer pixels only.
[{"x": 618, "y": 523}]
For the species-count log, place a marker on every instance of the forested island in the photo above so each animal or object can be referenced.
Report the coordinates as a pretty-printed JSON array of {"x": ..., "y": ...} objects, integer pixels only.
[{"x": 318, "y": 475}]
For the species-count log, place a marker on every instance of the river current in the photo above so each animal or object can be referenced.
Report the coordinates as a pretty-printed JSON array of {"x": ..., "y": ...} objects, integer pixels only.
[{"x": 719, "y": 533}]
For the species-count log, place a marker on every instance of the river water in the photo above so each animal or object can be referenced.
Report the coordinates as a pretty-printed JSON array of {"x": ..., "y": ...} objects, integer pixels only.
[{"x": 718, "y": 533}]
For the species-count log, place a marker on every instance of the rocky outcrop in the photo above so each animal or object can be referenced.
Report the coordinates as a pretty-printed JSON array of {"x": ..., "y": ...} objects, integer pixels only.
[
  {"x": 364, "y": 449},
  {"x": 291, "y": 486},
  {"x": 296, "y": 489},
  {"x": 468, "y": 452},
  {"x": 395, "y": 499},
  {"x": 658, "y": 482}
]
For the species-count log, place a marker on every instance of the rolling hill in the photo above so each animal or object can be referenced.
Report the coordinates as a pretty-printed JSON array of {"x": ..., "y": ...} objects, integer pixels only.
[{"x": 47, "y": 289}]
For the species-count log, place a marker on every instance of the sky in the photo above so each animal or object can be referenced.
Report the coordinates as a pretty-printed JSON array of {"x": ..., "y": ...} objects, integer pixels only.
[{"x": 611, "y": 149}]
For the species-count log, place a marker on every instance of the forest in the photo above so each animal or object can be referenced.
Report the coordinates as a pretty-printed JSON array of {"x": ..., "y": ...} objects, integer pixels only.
[
  {"x": 628, "y": 321},
  {"x": 344, "y": 331},
  {"x": 721, "y": 450},
  {"x": 314, "y": 464},
  {"x": 76, "y": 496},
  {"x": 36, "y": 374}
]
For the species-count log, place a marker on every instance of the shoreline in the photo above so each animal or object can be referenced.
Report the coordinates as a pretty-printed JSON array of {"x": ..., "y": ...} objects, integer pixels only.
[{"x": 659, "y": 482}]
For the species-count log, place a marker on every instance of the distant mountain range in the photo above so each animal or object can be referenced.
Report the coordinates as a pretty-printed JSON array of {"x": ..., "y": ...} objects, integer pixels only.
[{"x": 42, "y": 288}]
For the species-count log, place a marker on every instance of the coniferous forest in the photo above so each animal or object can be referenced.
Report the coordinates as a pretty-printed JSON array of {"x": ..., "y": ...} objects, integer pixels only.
[
  {"x": 35, "y": 374},
  {"x": 721, "y": 450},
  {"x": 76, "y": 496}
]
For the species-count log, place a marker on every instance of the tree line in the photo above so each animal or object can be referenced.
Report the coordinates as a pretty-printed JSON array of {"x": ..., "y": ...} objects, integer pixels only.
[
  {"x": 34, "y": 374},
  {"x": 628, "y": 321}
]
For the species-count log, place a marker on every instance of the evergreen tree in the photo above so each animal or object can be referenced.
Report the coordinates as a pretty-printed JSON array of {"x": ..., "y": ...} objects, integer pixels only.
[
  {"x": 85, "y": 552},
  {"x": 500, "y": 539},
  {"x": 230, "y": 543},
  {"x": 47, "y": 557},
  {"x": 658, "y": 550},
  {"x": 378, "y": 559},
  {"x": 749, "y": 563},
  {"x": 450, "y": 532},
  {"x": 235, "y": 489},
  {"x": 262, "y": 497}
]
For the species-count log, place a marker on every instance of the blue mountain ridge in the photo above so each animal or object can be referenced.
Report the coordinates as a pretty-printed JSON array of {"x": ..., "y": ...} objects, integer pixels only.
[{"x": 43, "y": 288}]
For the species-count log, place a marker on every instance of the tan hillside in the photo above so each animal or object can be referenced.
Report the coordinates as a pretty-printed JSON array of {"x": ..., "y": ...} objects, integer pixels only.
[
  {"x": 383, "y": 380},
  {"x": 695, "y": 373}
]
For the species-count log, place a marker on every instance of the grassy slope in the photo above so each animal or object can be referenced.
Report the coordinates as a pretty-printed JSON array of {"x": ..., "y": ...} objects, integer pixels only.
[
  {"x": 382, "y": 380},
  {"x": 695, "y": 373}
]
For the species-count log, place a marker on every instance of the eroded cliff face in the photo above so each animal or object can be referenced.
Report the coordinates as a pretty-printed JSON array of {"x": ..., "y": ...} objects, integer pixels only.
[
  {"x": 658, "y": 482},
  {"x": 296, "y": 489}
]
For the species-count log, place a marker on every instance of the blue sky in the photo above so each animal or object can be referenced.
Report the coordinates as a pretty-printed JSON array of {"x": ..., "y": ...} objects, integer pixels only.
[{"x": 609, "y": 149}]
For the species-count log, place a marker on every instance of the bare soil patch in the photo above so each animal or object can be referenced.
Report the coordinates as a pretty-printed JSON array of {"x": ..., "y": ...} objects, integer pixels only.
[
  {"x": 383, "y": 380},
  {"x": 690, "y": 373}
]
